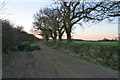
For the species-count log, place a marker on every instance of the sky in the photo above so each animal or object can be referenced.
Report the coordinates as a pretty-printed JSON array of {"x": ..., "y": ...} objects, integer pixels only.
[{"x": 20, "y": 12}]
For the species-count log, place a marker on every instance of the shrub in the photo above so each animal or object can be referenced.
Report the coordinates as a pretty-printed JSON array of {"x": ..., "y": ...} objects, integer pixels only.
[{"x": 25, "y": 46}]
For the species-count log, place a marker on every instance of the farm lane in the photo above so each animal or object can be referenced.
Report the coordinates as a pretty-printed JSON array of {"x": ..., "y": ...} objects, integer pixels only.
[{"x": 50, "y": 63}]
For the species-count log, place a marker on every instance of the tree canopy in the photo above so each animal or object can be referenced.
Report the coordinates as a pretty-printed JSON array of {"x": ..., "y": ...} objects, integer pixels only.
[{"x": 63, "y": 15}]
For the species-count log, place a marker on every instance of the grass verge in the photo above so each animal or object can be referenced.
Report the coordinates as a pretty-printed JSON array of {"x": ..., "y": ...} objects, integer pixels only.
[{"x": 104, "y": 55}]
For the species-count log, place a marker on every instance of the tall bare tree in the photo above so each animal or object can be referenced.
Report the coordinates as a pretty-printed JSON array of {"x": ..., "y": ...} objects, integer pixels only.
[
  {"x": 61, "y": 18},
  {"x": 44, "y": 21},
  {"x": 57, "y": 21},
  {"x": 39, "y": 24},
  {"x": 51, "y": 21},
  {"x": 74, "y": 12}
]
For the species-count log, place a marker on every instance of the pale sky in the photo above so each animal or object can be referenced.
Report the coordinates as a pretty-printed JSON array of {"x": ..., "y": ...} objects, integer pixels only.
[{"x": 20, "y": 12}]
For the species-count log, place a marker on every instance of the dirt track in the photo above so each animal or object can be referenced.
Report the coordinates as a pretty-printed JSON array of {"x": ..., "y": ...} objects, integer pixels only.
[{"x": 50, "y": 63}]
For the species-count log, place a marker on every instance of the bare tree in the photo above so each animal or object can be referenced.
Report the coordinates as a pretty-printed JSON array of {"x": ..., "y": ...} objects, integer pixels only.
[
  {"x": 51, "y": 17},
  {"x": 48, "y": 19},
  {"x": 2, "y": 5},
  {"x": 61, "y": 18},
  {"x": 74, "y": 12},
  {"x": 57, "y": 21},
  {"x": 20, "y": 28},
  {"x": 39, "y": 24}
]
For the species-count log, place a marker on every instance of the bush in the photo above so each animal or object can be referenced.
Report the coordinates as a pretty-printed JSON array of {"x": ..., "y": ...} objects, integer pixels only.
[{"x": 25, "y": 46}]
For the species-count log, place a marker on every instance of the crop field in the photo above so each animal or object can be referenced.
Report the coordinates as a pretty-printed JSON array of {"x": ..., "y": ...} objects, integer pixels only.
[
  {"x": 95, "y": 44},
  {"x": 98, "y": 43}
]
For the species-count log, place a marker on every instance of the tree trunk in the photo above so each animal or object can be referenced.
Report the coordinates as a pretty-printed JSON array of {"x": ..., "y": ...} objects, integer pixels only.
[
  {"x": 69, "y": 36},
  {"x": 54, "y": 39},
  {"x": 68, "y": 30},
  {"x": 46, "y": 37},
  {"x": 55, "y": 36},
  {"x": 60, "y": 37}
]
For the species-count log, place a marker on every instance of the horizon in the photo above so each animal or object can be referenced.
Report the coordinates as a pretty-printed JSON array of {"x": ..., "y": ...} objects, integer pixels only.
[
  {"x": 40, "y": 37},
  {"x": 21, "y": 13}
]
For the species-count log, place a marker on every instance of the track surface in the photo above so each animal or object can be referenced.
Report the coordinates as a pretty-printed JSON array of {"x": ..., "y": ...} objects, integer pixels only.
[{"x": 50, "y": 63}]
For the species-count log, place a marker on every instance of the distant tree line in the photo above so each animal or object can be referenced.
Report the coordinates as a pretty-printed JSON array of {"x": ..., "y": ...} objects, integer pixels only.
[
  {"x": 62, "y": 16},
  {"x": 105, "y": 39}
]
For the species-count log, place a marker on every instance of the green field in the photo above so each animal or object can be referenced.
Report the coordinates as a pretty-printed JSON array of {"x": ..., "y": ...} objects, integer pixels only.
[{"x": 97, "y": 43}]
